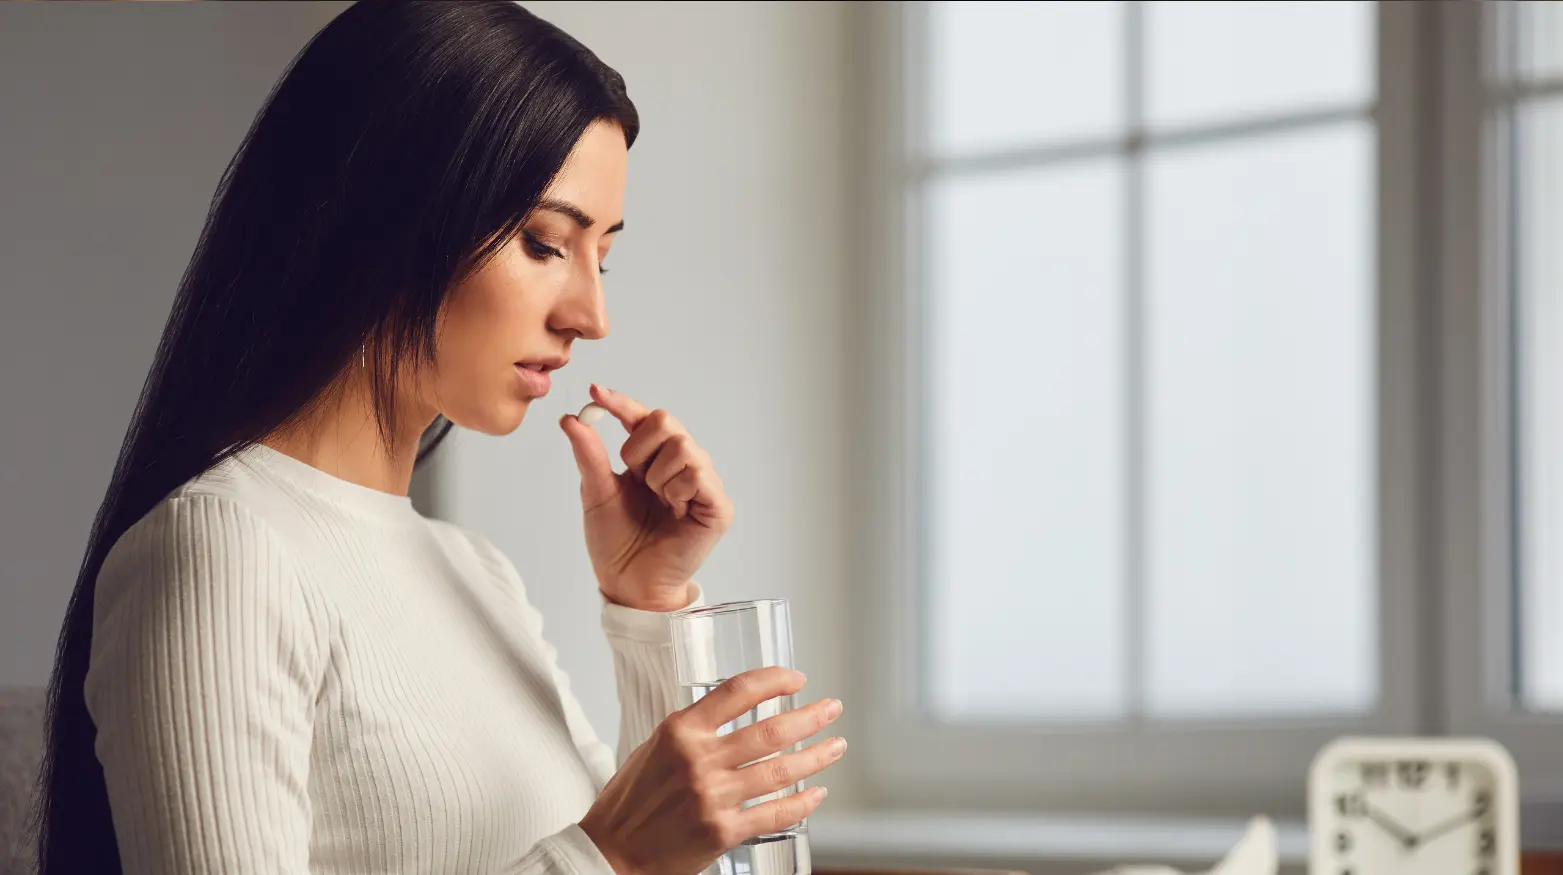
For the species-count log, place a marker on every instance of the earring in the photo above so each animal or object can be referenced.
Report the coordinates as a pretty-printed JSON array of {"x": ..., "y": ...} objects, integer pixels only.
[{"x": 363, "y": 355}]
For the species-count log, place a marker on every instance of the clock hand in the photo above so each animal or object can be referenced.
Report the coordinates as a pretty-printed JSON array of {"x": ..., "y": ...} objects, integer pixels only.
[
  {"x": 1452, "y": 824},
  {"x": 1405, "y": 836}
]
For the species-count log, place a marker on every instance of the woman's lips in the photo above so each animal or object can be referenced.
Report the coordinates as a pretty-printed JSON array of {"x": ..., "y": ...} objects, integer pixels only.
[{"x": 535, "y": 378}]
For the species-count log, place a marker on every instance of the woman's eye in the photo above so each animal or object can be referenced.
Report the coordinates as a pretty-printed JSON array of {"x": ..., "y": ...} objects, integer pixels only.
[{"x": 538, "y": 249}]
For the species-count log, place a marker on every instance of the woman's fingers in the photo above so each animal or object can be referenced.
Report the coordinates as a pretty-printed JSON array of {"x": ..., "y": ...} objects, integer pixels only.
[
  {"x": 660, "y": 451},
  {"x": 779, "y": 732},
  {"x": 779, "y": 814},
  {"x": 742, "y": 692},
  {"x": 625, "y": 409},
  {"x": 680, "y": 473},
  {"x": 657, "y": 433},
  {"x": 681, "y": 491},
  {"x": 695, "y": 491},
  {"x": 648, "y": 429},
  {"x": 769, "y": 775},
  {"x": 677, "y": 453}
]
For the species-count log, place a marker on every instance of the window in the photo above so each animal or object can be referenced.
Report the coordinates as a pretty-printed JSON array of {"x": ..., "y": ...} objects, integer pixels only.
[
  {"x": 1167, "y": 274},
  {"x": 1150, "y": 516}
]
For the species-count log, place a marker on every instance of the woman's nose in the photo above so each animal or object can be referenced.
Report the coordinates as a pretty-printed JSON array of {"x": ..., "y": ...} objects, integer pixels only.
[{"x": 583, "y": 311}]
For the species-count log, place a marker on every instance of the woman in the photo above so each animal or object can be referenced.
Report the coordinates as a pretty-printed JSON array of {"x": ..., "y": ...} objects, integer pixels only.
[{"x": 271, "y": 662}]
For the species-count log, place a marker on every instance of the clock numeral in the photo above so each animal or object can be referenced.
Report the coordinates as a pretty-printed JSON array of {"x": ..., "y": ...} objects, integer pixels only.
[
  {"x": 1349, "y": 805},
  {"x": 1452, "y": 775},
  {"x": 1375, "y": 774},
  {"x": 1343, "y": 842},
  {"x": 1486, "y": 845},
  {"x": 1482, "y": 801},
  {"x": 1413, "y": 773}
]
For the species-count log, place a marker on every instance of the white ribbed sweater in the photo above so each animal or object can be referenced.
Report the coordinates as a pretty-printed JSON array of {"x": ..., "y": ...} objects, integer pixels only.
[{"x": 293, "y": 673}]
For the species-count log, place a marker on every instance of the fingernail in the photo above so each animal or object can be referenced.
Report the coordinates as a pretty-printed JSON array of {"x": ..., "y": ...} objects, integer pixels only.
[
  {"x": 821, "y": 792},
  {"x": 799, "y": 677},
  {"x": 833, "y": 708},
  {"x": 603, "y": 389},
  {"x": 838, "y": 746}
]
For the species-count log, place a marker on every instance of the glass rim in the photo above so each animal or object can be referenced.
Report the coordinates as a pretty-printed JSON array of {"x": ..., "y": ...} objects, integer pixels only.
[{"x": 727, "y": 608}]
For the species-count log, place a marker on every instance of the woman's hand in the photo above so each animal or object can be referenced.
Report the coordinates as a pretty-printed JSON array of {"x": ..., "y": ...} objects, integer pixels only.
[
  {"x": 649, "y": 528},
  {"x": 677, "y": 804}
]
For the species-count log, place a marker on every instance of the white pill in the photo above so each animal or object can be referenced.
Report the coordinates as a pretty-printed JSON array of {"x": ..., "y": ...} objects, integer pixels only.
[{"x": 590, "y": 414}]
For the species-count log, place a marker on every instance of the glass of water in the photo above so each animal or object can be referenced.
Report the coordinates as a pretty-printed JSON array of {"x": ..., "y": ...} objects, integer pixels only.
[{"x": 712, "y": 644}]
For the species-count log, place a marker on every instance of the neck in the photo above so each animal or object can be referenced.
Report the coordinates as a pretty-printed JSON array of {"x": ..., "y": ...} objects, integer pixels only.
[{"x": 343, "y": 439}]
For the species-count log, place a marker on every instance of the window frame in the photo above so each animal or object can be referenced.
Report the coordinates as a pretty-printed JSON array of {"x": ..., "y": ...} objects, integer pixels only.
[
  {"x": 1476, "y": 465},
  {"x": 1227, "y": 767}
]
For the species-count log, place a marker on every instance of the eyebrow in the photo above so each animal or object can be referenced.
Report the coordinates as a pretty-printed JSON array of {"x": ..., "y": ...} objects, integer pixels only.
[{"x": 576, "y": 213}]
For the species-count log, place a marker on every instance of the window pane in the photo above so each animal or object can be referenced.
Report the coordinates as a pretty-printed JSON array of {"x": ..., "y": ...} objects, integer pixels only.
[
  {"x": 1224, "y": 61},
  {"x": 1540, "y": 39},
  {"x": 1261, "y": 433},
  {"x": 1006, "y": 74},
  {"x": 1539, "y": 187},
  {"x": 1025, "y": 443}
]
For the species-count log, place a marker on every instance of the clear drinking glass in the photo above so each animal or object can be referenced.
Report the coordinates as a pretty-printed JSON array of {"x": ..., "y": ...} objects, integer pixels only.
[{"x": 712, "y": 644}]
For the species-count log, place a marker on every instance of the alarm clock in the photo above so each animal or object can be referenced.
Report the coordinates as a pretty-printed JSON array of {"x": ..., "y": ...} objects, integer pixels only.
[{"x": 1413, "y": 806}]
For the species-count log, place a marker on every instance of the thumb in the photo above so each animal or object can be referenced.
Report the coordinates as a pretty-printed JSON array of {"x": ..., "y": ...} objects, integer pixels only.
[{"x": 598, "y": 482}]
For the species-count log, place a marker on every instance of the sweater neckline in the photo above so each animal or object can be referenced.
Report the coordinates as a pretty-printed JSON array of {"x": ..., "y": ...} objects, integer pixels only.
[{"x": 353, "y": 497}]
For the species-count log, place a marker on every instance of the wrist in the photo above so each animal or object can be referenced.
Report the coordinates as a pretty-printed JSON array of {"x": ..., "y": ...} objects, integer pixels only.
[
  {"x": 616, "y": 861},
  {"x": 664, "y": 601}
]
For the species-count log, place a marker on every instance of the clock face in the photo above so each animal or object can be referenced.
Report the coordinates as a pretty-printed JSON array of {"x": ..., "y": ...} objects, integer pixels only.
[{"x": 1388, "y": 814}]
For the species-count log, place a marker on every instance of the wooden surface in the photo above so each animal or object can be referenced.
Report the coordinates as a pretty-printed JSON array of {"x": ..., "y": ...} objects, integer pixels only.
[{"x": 1542, "y": 863}]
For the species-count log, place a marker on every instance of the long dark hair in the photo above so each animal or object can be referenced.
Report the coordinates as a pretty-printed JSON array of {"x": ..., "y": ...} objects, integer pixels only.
[{"x": 402, "y": 148}]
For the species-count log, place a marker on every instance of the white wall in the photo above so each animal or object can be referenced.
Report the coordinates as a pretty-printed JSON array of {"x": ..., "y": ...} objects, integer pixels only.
[
  {"x": 116, "y": 121},
  {"x": 729, "y": 305}
]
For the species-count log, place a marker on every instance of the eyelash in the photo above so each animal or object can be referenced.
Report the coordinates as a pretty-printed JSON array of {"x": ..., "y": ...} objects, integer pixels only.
[{"x": 540, "y": 250}]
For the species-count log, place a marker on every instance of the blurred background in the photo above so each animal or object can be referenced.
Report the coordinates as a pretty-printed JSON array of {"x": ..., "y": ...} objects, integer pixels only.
[{"x": 1131, "y": 397}]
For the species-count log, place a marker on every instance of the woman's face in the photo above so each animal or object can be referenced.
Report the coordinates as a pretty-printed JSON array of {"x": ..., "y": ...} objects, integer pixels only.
[{"x": 506, "y": 327}]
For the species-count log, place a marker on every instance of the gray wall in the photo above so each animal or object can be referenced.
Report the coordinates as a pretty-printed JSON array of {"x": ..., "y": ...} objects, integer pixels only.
[{"x": 116, "y": 121}]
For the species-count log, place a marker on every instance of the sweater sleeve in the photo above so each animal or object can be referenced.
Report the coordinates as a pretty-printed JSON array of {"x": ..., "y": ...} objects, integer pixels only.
[
  {"x": 642, "y": 644},
  {"x": 567, "y": 852},
  {"x": 206, "y": 658}
]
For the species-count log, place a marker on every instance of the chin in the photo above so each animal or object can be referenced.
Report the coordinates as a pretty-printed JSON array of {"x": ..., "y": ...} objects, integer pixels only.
[{"x": 496, "y": 420}]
